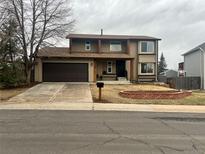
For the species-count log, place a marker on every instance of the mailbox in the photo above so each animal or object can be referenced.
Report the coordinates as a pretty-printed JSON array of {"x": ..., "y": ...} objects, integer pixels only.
[{"x": 100, "y": 84}]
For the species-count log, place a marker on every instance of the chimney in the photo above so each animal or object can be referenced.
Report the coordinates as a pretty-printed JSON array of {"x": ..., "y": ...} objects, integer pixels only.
[{"x": 101, "y": 32}]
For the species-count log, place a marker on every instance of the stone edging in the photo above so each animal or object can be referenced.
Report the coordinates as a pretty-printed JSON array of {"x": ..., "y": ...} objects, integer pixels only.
[{"x": 155, "y": 94}]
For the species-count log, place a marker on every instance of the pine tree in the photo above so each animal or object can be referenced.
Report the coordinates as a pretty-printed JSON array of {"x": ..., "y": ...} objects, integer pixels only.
[
  {"x": 162, "y": 64},
  {"x": 9, "y": 49}
]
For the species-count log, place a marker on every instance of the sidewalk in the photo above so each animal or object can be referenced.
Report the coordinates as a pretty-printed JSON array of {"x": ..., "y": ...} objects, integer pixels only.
[{"x": 104, "y": 107}]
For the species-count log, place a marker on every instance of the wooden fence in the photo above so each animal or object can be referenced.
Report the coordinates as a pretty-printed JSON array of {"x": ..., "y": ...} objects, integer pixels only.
[{"x": 188, "y": 83}]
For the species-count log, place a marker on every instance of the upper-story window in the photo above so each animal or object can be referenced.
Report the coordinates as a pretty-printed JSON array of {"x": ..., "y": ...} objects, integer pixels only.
[
  {"x": 146, "y": 47},
  {"x": 87, "y": 45},
  {"x": 115, "y": 46}
]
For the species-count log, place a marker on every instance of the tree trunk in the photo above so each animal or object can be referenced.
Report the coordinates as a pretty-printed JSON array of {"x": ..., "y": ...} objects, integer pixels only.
[
  {"x": 27, "y": 74},
  {"x": 28, "y": 77}
]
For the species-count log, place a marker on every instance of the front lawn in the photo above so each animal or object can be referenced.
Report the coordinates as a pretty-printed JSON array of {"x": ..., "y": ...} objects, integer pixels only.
[
  {"x": 6, "y": 94},
  {"x": 110, "y": 94}
]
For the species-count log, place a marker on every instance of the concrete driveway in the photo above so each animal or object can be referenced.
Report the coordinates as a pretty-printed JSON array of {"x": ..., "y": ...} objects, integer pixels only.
[{"x": 53, "y": 92}]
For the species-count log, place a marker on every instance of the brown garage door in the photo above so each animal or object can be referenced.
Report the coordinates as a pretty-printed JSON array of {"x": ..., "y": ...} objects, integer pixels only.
[{"x": 65, "y": 72}]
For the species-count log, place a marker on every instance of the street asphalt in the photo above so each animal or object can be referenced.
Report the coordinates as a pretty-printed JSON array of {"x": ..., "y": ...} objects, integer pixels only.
[{"x": 103, "y": 132}]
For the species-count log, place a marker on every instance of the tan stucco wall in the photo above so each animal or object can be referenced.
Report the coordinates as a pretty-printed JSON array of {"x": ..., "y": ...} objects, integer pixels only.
[
  {"x": 127, "y": 66},
  {"x": 79, "y": 45},
  {"x": 147, "y": 58},
  {"x": 133, "y": 48},
  {"x": 133, "y": 52},
  {"x": 139, "y": 58},
  {"x": 38, "y": 68}
]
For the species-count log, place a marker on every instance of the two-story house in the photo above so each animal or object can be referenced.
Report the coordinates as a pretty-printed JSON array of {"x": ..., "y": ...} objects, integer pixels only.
[{"x": 99, "y": 57}]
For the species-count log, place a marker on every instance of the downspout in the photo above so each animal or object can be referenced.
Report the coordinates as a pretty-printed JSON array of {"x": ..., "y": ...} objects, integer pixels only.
[
  {"x": 201, "y": 64},
  {"x": 156, "y": 66}
]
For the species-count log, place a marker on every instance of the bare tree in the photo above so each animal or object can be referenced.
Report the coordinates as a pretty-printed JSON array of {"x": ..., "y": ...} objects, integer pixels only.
[{"x": 40, "y": 23}]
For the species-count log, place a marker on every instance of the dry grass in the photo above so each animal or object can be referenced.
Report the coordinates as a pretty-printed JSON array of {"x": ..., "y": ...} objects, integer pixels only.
[
  {"x": 6, "y": 94},
  {"x": 110, "y": 94}
]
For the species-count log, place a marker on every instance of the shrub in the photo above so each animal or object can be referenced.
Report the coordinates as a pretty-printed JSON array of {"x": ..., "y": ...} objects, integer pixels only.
[{"x": 11, "y": 75}]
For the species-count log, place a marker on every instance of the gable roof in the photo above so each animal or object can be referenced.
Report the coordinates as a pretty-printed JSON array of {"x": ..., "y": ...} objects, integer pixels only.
[
  {"x": 168, "y": 70},
  {"x": 120, "y": 37},
  {"x": 202, "y": 46}
]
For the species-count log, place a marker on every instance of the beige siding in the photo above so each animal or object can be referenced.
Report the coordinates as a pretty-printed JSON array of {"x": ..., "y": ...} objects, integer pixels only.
[
  {"x": 79, "y": 45},
  {"x": 147, "y": 58}
]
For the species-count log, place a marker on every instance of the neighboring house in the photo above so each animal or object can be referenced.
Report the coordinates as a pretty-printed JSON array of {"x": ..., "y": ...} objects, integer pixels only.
[
  {"x": 169, "y": 73},
  {"x": 194, "y": 63},
  {"x": 99, "y": 57}
]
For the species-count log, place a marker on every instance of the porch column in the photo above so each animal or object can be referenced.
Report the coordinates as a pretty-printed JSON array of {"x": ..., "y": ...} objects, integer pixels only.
[
  {"x": 131, "y": 70},
  {"x": 70, "y": 45},
  {"x": 99, "y": 45},
  {"x": 94, "y": 70}
]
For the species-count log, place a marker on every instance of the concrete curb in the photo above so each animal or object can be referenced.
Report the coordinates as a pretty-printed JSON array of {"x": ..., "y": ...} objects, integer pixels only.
[
  {"x": 48, "y": 106},
  {"x": 150, "y": 108},
  {"x": 105, "y": 107}
]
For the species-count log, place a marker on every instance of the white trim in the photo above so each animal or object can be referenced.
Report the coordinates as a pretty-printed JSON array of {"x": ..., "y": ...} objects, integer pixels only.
[
  {"x": 140, "y": 73},
  {"x": 87, "y": 45},
  {"x": 140, "y": 44},
  {"x": 109, "y": 66}
]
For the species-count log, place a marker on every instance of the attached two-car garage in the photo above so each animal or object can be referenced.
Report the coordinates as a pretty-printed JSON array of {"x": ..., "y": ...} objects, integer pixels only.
[{"x": 65, "y": 72}]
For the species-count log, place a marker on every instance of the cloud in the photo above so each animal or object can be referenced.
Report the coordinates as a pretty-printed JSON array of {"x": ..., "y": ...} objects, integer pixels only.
[{"x": 180, "y": 24}]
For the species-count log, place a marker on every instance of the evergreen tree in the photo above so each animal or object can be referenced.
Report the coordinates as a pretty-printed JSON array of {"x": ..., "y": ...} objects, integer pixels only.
[
  {"x": 9, "y": 49},
  {"x": 162, "y": 64},
  {"x": 11, "y": 68}
]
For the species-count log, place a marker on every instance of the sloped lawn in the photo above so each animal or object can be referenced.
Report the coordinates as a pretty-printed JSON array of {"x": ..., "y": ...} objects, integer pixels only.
[
  {"x": 6, "y": 94},
  {"x": 110, "y": 94}
]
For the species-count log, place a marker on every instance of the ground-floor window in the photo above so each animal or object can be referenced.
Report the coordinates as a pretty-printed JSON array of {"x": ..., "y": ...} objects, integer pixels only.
[
  {"x": 109, "y": 67},
  {"x": 147, "y": 68}
]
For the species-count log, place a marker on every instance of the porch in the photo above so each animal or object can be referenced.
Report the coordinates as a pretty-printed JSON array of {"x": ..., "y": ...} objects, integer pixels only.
[{"x": 111, "y": 70}]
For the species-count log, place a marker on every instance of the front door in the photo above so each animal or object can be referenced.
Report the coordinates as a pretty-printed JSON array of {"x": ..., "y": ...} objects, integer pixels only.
[{"x": 120, "y": 68}]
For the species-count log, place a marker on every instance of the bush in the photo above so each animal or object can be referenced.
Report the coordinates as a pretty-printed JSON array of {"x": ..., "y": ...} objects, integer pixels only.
[{"x": 11, "y": 75}]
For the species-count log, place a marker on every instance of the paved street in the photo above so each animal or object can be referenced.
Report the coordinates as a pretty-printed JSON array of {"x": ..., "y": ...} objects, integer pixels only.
[{"x": 63, "y": 132}]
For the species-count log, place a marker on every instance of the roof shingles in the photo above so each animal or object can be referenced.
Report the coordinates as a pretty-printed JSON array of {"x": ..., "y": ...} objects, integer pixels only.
[{"x": 125, "y": 37}]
